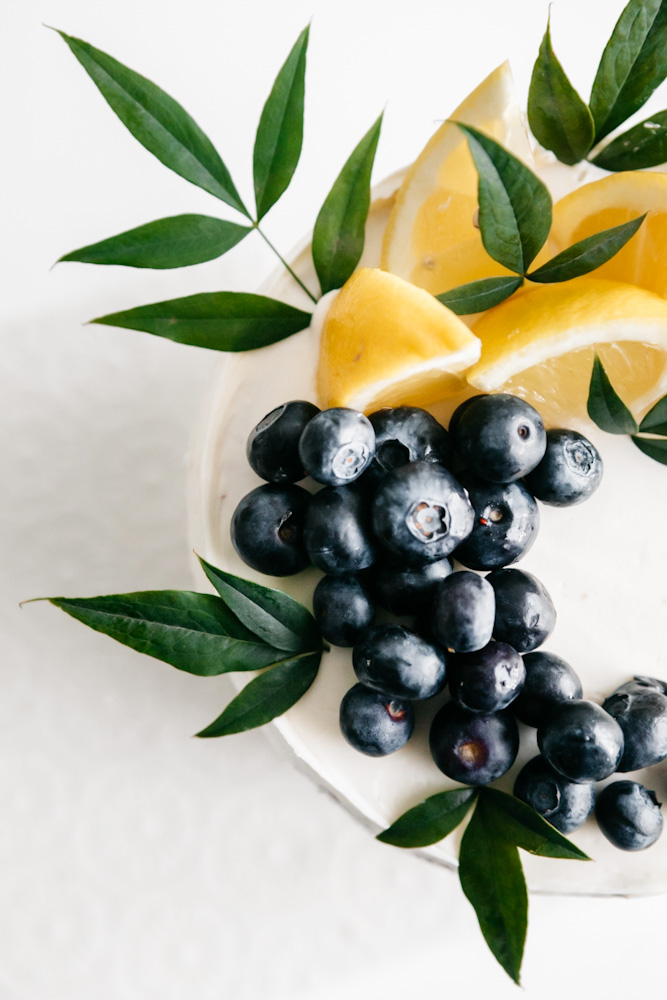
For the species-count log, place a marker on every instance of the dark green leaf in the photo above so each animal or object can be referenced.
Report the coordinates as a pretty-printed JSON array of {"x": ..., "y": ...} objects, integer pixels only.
[
  {"x": 476, "y": 296},
  {"x": 655, "y": 420},
  {"x": 338, "y": 237},
  {"x": 430, "y": 821},
  {"x": 267, "y": 696},
  {"x": 280, "y": 130},
  {"x": 178, "y": 241},
  {"x": 653, "y": 447},
  {"x": 522, "y": 826},
  {"x": 585, "y": 256},
  {"x": 514, "y": 205},
  {"x": 269, "y": 614},
  {"x": 193, "y": 632},
  {"x": 633, "y": 64},
  {"x": 492, "y": 879},
  {"x": 221, "y": 321},
  {"x": 605, "y": 408},
  {"x": 643, "y": 146},
  {"x": 558, "y": 117},
  {"x": 158, "y": 122}
]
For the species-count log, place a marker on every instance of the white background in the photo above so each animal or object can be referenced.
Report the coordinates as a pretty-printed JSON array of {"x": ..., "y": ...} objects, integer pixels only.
[{"x": 135, "y": 862}]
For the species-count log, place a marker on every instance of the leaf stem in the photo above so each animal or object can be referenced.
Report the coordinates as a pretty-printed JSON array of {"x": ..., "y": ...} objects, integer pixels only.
[{"x": 285, "y": 264}]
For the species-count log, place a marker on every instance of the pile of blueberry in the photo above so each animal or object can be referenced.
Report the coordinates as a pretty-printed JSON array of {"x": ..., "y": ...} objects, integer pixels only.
[{"x": 385, "y": 528}]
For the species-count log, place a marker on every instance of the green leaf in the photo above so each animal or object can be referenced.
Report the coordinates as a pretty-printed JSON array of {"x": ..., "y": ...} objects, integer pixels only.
[
  {"x": 584, "y": 256},
  {"x": 178, "y": 241},
  {"x": 655, "y": 420},
  {"x": 267, "y": 696},
  {"x": 653, "y": 447},
  {"x": 221, "y": 321},
  {"x": 633, "y": 64},
  {"x": 432, "y": 820},
  {"x": 558, "y": 118},
  {"x": 158, "y": 122},
  {"x": 271, "y": 615},
  {"x": 527, "y": 829},
  {"x": 492, "y": 879},
  {"x": 476, "y": 296},
  {"x": 193, "y": 632},
  {"x": 280, "y": 130},
  {"x": 514, "y": 205},
  {"x": 605, "y": 407},
  {"x": 643, "y": 146},
  {"x": 338, "y": 237}
]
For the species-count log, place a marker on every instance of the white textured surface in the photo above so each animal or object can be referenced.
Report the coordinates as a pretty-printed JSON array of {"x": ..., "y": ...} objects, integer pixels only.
[{"x": 136, "y": 863}]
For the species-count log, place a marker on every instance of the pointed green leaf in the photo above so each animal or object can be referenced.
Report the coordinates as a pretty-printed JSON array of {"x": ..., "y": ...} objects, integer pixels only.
[
  {"x": 633, "y": 64},
  {"x": 476, "y": 296},
  {"x": 522, "y": 826},
  {"x": 558, "y": 118},
  {"x": 193, "y": 632},
  {"x": 432, "y": 820},
  {"x": 605, "y": 407},
  {"x": 584, "y": 256},
  {"x": 221, "y": 321},
  {"x": 271, "y": 615},
  {"x": 267, "y": 696},
  {"x": 643, "y": 146},
  {"x": 653, "y": 447},
  {"x": 280, "y": 130},
  {"x": 492, "y": 879},
  {"x": 158, "y": 122},
  {"x": 514, "y": 205},
  {"x": 338, "y": 237},
  {"x": 178, "y": 241},
  {"x": 655, "y": 420}
]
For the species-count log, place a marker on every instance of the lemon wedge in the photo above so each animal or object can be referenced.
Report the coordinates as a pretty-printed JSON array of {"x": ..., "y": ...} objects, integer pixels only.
[
  {"x": 385, "y": 342},
  {"x": 609, "y": 202},
  {"x": 431, "y": 238},
  {"x": 540, "y": 345}
]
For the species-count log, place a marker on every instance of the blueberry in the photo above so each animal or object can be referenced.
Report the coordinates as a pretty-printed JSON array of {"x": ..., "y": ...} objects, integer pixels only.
[
  {"x": 455, "y": 418},
  {"x": 267, "y": 529},
  {"x": 343, "y": 609},
  {"x": 564, "y": 804},
  {"x": 421, "y": 513},
  {"x": 408, "y": 590},
  {"x": 337, "y": 446},
  {"x": 273, "y": 446},
  {"x": 488, "y": 680},
  {"x": 399, "y": 663},
  {"x": 629, "y": 815},
  {"x": 505, "y": 527},
  {"x": 500, "y": 437},
  {"x": 549, "y": 681},
  {"x": 337, "y": 532},
  {"x": 406, "y": 434},
  {"x": 647, "y": 683},
  {"x": 374, "y": 723},
  {"x": 463, "y": 612},
  {"x": 641, "y": 712},
  {"x": 581, "y": 741},
  {"x": 525, "y": 615},
  {"x": 473, "y": 749},
  {"x": 570, "y": 471}
]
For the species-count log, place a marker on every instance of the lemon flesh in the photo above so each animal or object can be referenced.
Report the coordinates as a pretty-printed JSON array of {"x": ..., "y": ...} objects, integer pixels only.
[
  {"x": 385, "y": 342},
  {"x": 431, "y": 238},
  {"x": 610, "y": 202},
  {"x": 540, "y": 345}
]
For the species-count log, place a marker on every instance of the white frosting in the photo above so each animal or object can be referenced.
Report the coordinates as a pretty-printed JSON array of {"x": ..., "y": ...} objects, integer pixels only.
[{"x": 602, "y": 562}]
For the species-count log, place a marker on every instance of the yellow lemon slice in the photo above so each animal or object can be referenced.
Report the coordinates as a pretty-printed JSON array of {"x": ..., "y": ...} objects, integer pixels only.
[
  {"x": 540, "y": 345},
  {"x": 609, "y": 202},
  {"x": 385, "y": 343},
  {"x": 431, "y": 238}
]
